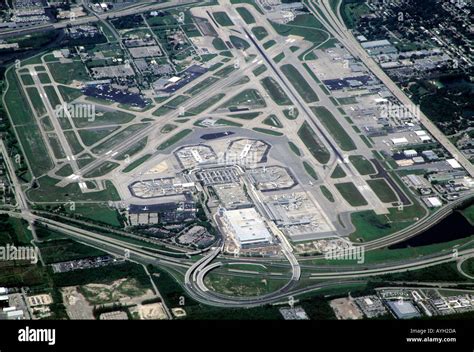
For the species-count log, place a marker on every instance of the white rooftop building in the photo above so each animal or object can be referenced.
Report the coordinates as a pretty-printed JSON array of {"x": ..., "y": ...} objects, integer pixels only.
[
  {"x": 398, "y": 141},
  {"x": 410, "y": 153},
  {"x": 247, "y": 227},
  {"x": 454, "y": 163},
  {"x": 433, "y": 202},
  {"x": 375, "y": 44}
]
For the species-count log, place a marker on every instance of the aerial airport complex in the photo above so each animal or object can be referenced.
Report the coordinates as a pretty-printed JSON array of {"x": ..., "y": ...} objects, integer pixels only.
[{"x": 248, "y": 154}]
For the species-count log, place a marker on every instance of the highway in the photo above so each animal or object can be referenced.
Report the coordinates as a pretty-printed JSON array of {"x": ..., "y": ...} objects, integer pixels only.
[{"x": 197, "y": 289}]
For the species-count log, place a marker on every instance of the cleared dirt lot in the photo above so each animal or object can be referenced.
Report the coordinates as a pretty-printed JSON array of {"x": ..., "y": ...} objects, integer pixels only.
[{"x": 346, "y": 309}]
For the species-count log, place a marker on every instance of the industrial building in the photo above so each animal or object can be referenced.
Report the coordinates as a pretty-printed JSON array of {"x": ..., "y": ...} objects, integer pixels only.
[
  {"x": 403, "y": 309},
  {"x": 247, "y": 227},
  {"x": 432, "y": 202}
]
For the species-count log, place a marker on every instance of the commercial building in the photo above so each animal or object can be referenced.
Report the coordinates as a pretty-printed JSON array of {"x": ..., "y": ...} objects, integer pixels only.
[
  {"x": 375, "y": 44},
  {"x": 454, "y": 163},
  {"x": 403, "y": 309},
  {"x": 433, "y": 202},
  {"x": 430, "y": 155},
  {"x": 247, "y": 227},
  {"x": 410, "y": 153},
  {"x": 399, "y": 141}
]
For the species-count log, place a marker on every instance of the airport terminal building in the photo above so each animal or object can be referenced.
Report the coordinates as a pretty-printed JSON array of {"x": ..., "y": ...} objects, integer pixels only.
[{"x": 247, "y": 227}]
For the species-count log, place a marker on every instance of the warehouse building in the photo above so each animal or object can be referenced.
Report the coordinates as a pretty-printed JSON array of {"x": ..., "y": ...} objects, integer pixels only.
[{"x": 403, "y": 309}]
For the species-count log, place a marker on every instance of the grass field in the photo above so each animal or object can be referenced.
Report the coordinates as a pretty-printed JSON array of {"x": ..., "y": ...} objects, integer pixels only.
[
  {"x": 469, "y": 213},
  {"x": 338, "y": 172},
  {"x": 383, "y": 190},
  {"x": 46, "y": 123},
  {"x": 26, "y": 79},
  {"x": 35, "y": 150},
  {"x": 294, "y": 148},
  {"x": 310, "y": 170},
  {"x": 259, "y": 70},
  {"x": 468, "y": 266},
  {"x": 306, "y": 26},
  {"x": 339, "y": 134},
  {"x": 64, "y": 171},
  {"x": 245, "y": 115},
  {"x": 292, "y": 113},
  {"x": 37, "y": 101},
  {"x": 178, "y": 136},
  {"x": 219, "y": 44},
  {"x": 92, "y": 136},
  {"x": 52, "y": 96},
  {"x": 327, "y": 193},
  {"x": 16, "y": 101},
  {"x": 44, "y": 78},
  {"x": 275, "y": 91},
  {"x": 55, "y": 251},
  {"x": 56, "y": 146},
  {"x": 313, "y": 144},
  {"x": 352, "y": 11},
  {"x": 273, "y": 121},
  {"x": 248, "y": 97},
  {"x": 66, "y": 73},
  {"x": 371, "y": 226},
  {"x": 168, "y": 128},
  {"x": 134, "y": 164},
  {"x": 269, "y": 44},
  {"x": 300, "y": 84},
  {"x": 351, "y": 194},
  {"x": 176, "y": 101},
  {"x": 259, "y": 32},
  {"x": 14, "y": 274},
  {"x": 105, "y": 118},
  {"x": 240, "y": 81},
  {"x": 246, "y": 15},
  {"x": 73, "y": 142},
  {"x": 69, "y": 94},
  {"x": 49, "y": 192},
  {"x": 242, "y": 286},
  {"x": 222, "y": 19},
  {"x": 96, "y": 212},
  {"x": 279, "y": 57},
  {"x": 228, "y": 123},
  {"x": 362, "y": 165},
  {"x": 239, "y": 43}
]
